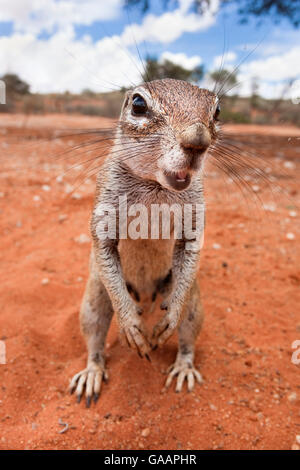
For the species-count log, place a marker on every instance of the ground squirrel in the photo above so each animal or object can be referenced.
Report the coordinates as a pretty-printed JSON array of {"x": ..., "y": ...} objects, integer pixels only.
[{"x": 161, "y": 141}]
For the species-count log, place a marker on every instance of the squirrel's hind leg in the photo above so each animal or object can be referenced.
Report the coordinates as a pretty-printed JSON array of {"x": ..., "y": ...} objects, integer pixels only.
[
  {"x": 95, "y": 316},
  {"x": 183, "y": 367}
]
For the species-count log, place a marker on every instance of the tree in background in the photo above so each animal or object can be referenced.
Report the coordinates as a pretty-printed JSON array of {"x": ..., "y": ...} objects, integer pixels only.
[
  {"x": 254, "y": 92},
  {"x": 15, "y": 91},
  {"x": 275, "y": 9},
  {"x": 14, "y": 85},
  {"x": 224, "y": 80},
  {"x": 167, "y": 69}
]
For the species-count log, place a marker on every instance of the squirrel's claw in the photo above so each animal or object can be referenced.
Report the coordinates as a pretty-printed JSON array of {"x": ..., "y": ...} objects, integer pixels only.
[
  {"x": 136, "y": 339},
  {"x": 164, "y": 329},
  {"x": 185, "y": 371},
  {"x": 89, "y": 379}
]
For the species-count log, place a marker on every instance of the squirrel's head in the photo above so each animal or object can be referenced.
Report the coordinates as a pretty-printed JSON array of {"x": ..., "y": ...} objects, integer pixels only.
[{"x": 165, "y": 129}]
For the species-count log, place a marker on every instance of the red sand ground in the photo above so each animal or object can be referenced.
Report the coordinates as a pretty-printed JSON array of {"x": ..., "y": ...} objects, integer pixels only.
[{"x": 250, "y": 287}]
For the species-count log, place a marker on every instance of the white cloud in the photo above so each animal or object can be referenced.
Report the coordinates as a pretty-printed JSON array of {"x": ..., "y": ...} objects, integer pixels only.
[
  {"x": 272, "y": 73},
  {"x": 224, "y": 61},
  {"x": 276, "y": 67},
  {"x": 108, "y": 63},
  {"x": 35, "y": 16},
  {"x": 63, "y": 63},
  {"x": 171, "y": 25},
  {"x": 181, "y": 59}
]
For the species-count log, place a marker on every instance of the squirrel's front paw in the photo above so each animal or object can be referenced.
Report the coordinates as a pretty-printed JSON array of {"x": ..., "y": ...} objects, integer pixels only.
[
  {"x": 164, "y": 329},
  {"x": 133, "y": 332}
]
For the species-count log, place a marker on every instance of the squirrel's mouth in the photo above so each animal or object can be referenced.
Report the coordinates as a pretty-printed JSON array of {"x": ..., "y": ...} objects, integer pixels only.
[{"x": 178, "y": 180}]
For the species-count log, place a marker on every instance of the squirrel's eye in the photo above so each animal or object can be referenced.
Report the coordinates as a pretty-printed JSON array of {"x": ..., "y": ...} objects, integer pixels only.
[
  {"x": 217, "y": 112},
  {"x": 139, "y": 105}
]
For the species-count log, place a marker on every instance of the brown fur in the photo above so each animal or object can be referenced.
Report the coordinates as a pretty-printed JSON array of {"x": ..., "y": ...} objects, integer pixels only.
[{"x": 174, "y": 136}]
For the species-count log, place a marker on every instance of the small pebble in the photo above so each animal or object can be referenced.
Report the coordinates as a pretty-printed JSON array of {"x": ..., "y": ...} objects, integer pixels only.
[
  {"x": 293, "y": 214},
  {"x": 62, "y": 218},
  {"x": 68, "y": 188},
  {"x": 83, "y": 238},
  {"x": 45, "y": 281},
  {"x": 298, "y": 438},
  {"x": 292, "y": 397},
  {"x": 145, "y": 432},
  {"x": 260, "y": 416},
  {"x": 216, "y": 246},
  {"x": 269, "y": 207},
  {"x": 76, "y": 196},
  {"x": 36, "y": 198},
  {"x": 289, "y": 165},
  {"x": 290, "y": 236},
  {"x": 46, "y": 187}
]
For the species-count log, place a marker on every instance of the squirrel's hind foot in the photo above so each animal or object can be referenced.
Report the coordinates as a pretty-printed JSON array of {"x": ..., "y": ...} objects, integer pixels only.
[
  {"x": 90, "y": 380},
  {"x": 184, "y": 369}
]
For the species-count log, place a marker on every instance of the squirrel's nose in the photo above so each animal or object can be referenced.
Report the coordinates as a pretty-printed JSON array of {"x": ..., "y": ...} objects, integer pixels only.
[{"x": 196, "y": 136}]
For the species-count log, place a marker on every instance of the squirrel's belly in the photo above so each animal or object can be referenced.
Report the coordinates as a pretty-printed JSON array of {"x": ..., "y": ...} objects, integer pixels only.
[{"x": 145, "y": 263}]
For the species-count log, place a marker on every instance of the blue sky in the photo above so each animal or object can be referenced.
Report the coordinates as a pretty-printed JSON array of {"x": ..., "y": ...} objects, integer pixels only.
[
  {"x": 207, "y": 43},
  {"x": 59, "y": 45}
]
